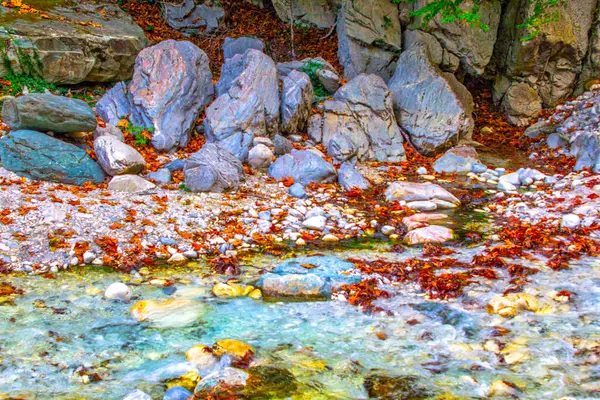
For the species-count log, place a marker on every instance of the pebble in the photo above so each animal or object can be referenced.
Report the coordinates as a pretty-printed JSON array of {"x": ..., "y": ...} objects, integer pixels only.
[
  {"x": 506, "y": 186},
  {"x": 300, "y": 242},
  {"x": 330, "y": 238},
  {"x": 177, "y": 258},
  {"x": 387, "y": 230},
  {"x": 297, "y": 191},
  {"x": 316, "y": 223},
  {"x": 118, "y": 291},
  {"x": 422, "y": 171},
  {"x": 570, "y": 221}
]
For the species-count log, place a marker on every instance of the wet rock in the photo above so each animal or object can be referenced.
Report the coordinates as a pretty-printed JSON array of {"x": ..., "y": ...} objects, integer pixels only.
[
  {"x": 260, "y": 157},
  {"x": 163, "y": 176},
  {"x": 349, "y": 178},
  {"x": 231, "y": 47},
  {"x": 270, "y": 382},
  {"x": 202, "y": 357},
  {"x": 137, "y": 395},
  {"x": 69, "y": 53},
  {"x": 296, "y": 102},
  {"x": 109, "y": 130},
  {"x": 369, "y": 38},
  {"x": 226, "y": 380},
  {"x": 312, "y": 277},
  {"x": 304, "y": 166},
  {"x": 457, "y": 160},
  {"x": 443, "y": 116},
  {"x": 187, "y": 381},
  {"x": 411, "y": 191},
  {"x": 46, "y": 112},
  {"x": 282, "y": 145},
  {"x": 171, "y": 85},
  {"x": 421, "y": 220},
  {"x": 319, "y": 13},
  {"x": 191, "y": 17},
  {"x": 118, "y": 158},
  {"x": 429, "y": 234},
  {"x": 37, "y": 156},
  {"x": 177, "y": 393},
  {"x": 521, "y": 103},
  {"x": 510, "y": 304},
  {"x": 397, "y": 388},
  {"x": 359, "y": 123},
  {"x": 248, "y": 103},
  {"x": 170, "y": 313},
  {"x": 325, "y": 73},
  {"x": 213, "y": 169},
  {"x": 297, "y": 191},
  {"x": 118, "y": 291},
  {"x": 501, "y": 388},
  {"x": 232, "y": 290},
  {"x": 236, "y": 348},
  {"x": 130, "y": 184}
]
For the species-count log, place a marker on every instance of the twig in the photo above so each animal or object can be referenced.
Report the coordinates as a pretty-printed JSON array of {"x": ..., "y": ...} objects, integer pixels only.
[{"x": 330, "y": 31}]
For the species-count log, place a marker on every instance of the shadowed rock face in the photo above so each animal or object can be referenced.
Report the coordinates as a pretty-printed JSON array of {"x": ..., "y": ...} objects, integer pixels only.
[
  {"x": 171, "y": 85},
  {"x": 38, "y": 156},
  {"x": 213, "y": 169},
  {"x": 248, "y": 103},
  {"x": 69, "y": 53},
  {"x": 191, "y": 17}
]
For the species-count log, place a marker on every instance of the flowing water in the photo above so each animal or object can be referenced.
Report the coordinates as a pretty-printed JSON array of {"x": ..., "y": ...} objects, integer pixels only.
[{"x": 61, "y": 339}]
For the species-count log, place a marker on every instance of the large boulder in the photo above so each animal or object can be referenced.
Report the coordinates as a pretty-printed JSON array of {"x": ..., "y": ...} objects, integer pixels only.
[
  {"x": 552, "y": 60},
  {"x": 38, "y": 156},
  {"x": 470, "y": 46},
  {"x": 47, "y": 112},
  {"x": 432, "y": 106},
  {"x": 318, "y": 13},
  {"x": 369, "y": 37},
  {"x": 307, "y": 277},
  {"x": 171, "y": 85},
  {"x": 191, "y": 17},
  {"x": 296, "y": 102},
  {"x": 87, "y": 43},
  {"x": 457, "y": 160},
  {"x": 359, "y": 123},
  {"x": 521, "y": 103},
  {"x": 231, "y": 47},
  {"x": 213, "y": 169},
  {"x": 116, "y": 157},
  {"x": 349, "y": 178},
  {"x": 304, "y": 166},
  {"x": 248, "y": 103}
]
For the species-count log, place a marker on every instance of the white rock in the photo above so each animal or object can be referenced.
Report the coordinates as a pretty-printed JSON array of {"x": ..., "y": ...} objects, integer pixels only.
[
  {"x": 177, "y": 258},
  {"x": 570, "y": 221},
  {"x": 330, "y": 238},
  {"x": 316, "y": 223},
  {"x": 422, "y": 205},
  {"x": 387, "y": 230},
  {"x": 260, "y": 157},
  {"x": 118, "y": 291},
  {"x": 422, "y": 171},
  {"x": 506, "y": 186}
]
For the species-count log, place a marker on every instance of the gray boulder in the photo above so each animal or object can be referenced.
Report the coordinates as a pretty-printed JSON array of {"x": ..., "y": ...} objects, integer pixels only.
[
  {"x": 304, "y": 166},
  {"x": 260, "y": 157},
  {"x": 163, "y": 176},
  {"x": 585, "y": 147},
  {"x": 521, "y": 103},
  {"x": 171, "y": 85},
  {"x": 323, "y": 71},
  {"x": 296, "y": 102},
  {"x": 192, "y": 17},
  {"x": 433, "y": 107},
  {"x": 349, "y": 178},
  {"x": 109, "y": 130},
  {"x": 38, "y": 156},
  {"x": 118, "y": 158},
  {"x": 130, "y": 184},
  {"x": 248, "y": 103},
  {"x": 46, "y": 112},
  {"x": 359, "y": 123},
  {"x": 104, "y": 50},
  {"x": 282, "y": 145},
  {"x": 231, "y": 47},
  {"x": 369, "y": 37},
  {"x": 213, "y": 169},
  {"x": 318, "y": 13},
  {"x": 457, "y": 160}
]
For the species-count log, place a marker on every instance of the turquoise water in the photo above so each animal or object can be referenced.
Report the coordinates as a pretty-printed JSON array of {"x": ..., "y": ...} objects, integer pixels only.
[{"x": 62, "y": 340}]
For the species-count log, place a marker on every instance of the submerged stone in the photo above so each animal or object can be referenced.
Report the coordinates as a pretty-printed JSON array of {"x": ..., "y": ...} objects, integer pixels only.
[
  {"x": 396, "y": 388},
  {"x": 171, "y": 313},
  {"x": 269, "y": 382},
  {"x": 311, "y": 277}
]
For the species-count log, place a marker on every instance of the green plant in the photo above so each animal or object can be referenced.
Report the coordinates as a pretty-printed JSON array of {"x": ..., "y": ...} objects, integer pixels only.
[
  {"x": 311, "y": 68},
  {"x": 185, "y": 188},
  {"x": 387, "y": 22},
  {"x": 141, "y": 134},
  {"x": 544, "y": 11}
]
